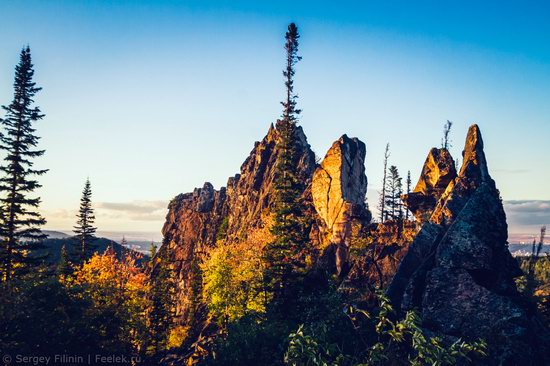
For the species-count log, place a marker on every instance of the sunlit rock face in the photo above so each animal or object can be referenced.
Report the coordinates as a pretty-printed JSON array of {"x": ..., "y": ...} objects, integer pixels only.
[
  {"x": 459, "y": 273},
  {"x": 196, "y": 220},
  {"x": 190, "y": 230},
  {"x": 333, "y": 196},
  {"x": 250, "y": 193},
  {"x": 338, "y": 189},
  {"x": 438, "y": 171}
]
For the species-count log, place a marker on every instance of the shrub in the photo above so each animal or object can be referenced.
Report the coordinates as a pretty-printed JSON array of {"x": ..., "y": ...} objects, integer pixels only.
[{"x": 400, "y": 342}]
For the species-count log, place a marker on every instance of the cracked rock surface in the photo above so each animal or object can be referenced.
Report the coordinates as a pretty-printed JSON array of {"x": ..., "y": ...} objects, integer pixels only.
[{"x": 459, "y": 273}]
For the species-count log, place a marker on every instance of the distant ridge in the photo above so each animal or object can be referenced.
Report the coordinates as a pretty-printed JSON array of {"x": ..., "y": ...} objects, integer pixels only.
[
  {"x": 51, "y": 248},
  {"x": 52, "y": 234}
]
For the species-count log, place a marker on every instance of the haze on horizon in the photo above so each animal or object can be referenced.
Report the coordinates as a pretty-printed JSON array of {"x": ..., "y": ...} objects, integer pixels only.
[{"x": 153, "y": 98}]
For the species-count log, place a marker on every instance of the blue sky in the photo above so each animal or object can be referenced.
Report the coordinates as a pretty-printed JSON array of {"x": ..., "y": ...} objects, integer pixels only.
[{"x": 152, "y": 98}]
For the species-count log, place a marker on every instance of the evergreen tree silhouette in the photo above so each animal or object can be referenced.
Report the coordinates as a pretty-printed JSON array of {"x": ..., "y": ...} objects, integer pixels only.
[
  {"x": 408, "y": 192},
  {"x": 63, "y": 267},
  {"x": 285, "y": 256},
  {"x": 21, "y": 222},
  {"x": 382, "y": 200},
  {"x": 394, "y": 190},
  {"x": 84, "y": 229}
]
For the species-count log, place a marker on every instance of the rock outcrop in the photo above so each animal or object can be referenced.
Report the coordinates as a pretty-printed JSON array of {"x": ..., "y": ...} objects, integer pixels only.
[
  {"x": 459, "y": 273},
  {"x": 190, "y": 229},
  {"x": 438, "y": 171},
  {"x": 250, "y": 195},
  {"x": 198, "y": 221},
  {"x": 338, "y": 189}
]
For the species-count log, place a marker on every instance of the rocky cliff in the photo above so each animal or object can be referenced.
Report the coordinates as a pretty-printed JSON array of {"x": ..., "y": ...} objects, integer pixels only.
[
  {"x": 458, "y": 272},
  {"x": 438, "y": 171},
  {"x": 334, "y": 196},
  {"x": 338, "y": 189}
]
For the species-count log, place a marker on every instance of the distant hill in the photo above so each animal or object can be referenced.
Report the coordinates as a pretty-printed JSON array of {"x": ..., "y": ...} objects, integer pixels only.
[
  {"x": 55, "y": 234},
  {"x": 51, "y": 248}
]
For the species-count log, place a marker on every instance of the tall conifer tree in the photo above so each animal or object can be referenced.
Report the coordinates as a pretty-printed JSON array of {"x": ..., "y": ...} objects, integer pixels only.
[
  {"x": 85, "y": 229},
  {"x": 408, "y": 192},
  {"x": 21, "y": 222},
  {"x": 285, "y": 256},
  {"x": 394, "y": 190},
  {"x": 446, "y": 140},
  {"x": 160, "y": 313},
  {"x": 382, "y": 200}
]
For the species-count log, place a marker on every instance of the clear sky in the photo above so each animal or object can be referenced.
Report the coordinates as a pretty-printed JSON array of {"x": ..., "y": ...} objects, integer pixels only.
[{"x": 152, "y": 98}]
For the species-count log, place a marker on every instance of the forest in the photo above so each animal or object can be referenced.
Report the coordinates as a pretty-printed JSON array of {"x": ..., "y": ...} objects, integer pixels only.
[{"x": 270, "y": 270}]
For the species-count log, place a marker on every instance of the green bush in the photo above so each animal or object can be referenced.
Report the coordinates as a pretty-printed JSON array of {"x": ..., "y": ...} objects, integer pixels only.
[{"x": 401, "y": 342}]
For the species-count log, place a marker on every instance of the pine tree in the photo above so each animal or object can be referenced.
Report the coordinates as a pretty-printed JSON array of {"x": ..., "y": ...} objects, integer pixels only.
[
  {"x": 394, "y": 190},
  {"x": 85, "y": 229},
  {"x": 408, "y": 192},
  {"x": 382, "y": 201},
  {"x": 445, "y": 141},
  {"x": 160, "y": 313},
  {"x": 63, "y": 267},
  {"x": 285, "y": 256},
  {"x": 21, "y": 224}
]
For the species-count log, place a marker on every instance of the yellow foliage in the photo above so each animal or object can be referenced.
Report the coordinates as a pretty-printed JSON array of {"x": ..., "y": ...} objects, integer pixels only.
[
  {"x": 233, "y": 279},
  {"x": 117, "y": 285},
  {"x": 177, "y": 336}
]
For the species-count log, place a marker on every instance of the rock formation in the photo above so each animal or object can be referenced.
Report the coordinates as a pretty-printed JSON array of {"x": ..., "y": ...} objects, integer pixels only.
[
  {"x": 338, "y": 190},
  {"x": 438, "y": 171},
  {"x": 459, "y": 273},
  {"x": 197, "y": 221},
  {"x": 191, "y": 227}
]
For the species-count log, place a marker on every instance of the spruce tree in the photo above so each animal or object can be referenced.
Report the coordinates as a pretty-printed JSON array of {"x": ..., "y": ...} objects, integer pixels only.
[
  {"x": 446, "y": 141},
  {"x": 21, "y": 222},
  {"x": 394, "y": 190},
  {"x": 285, "y": 256},
  {"x": 408, "y": 192},
  {"x": 382, "y": 201},
  {"x": 85, "y": 229},
  {"x": 290, "y": 112},
  {"x": 160, "y": 314},
  {"x": 63, "y": 266}
]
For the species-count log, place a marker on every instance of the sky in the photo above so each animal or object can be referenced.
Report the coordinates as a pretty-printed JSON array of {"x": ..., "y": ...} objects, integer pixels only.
[{"x": 150, "y": 99}]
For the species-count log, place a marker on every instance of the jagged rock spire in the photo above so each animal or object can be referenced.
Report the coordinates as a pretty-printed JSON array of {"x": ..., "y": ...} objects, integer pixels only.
[
  {"x": 459, "y": 273},
  {"x": 338, "y": 189},
  {"x": 438, "y": 171}
]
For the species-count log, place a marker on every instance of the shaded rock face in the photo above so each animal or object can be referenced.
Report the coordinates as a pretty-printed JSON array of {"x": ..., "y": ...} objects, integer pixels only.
[
  {"x": 380, "y": 248},
  {"x": 338, "y": 190},
  {"x": 196, "y": 221},
  {"x": 458, "y": 271},
  {"x": 438, "y": 171}
]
